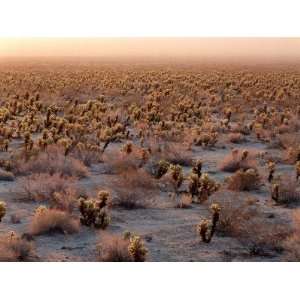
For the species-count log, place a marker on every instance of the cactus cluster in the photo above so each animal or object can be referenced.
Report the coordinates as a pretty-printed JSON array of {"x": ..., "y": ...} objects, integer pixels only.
[
  {"x": 94, "y": 211},
  {"x": 2, "y": 210},
  {"x": 206, "y": 228}
]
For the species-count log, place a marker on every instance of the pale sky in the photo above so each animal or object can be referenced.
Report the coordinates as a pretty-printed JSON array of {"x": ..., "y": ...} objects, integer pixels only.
[{"x": 278, "y": 48}]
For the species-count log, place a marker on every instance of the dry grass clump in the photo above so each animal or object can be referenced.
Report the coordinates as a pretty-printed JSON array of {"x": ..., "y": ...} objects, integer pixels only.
[
  {"x": 52, "y": 161},
  {"x": 129, "y": 248},
  {"x": 42, "y": 187},
  {"x": 237, "y": 160},
  {"x": 15, "y": 248},
  {"x": 48, "y": 221},
  {"x": 113, "y": 248},
  {"x": 244, "y": 180},
  {"x": 292, "y": 244},
  {"x": 133, "y": 189}
]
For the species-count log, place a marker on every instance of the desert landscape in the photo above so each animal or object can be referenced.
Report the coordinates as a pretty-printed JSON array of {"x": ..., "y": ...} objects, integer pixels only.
[{"x": 142, "y": 161}]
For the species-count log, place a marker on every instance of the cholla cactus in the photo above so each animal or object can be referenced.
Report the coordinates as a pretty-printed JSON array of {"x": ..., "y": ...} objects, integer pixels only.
[
  {"x": 103, "y": 197},
  {"x": 137, "y": 249},
  {"x": 163, "y": 167},
  {"x": 197, "y": 167},
  {"x": 2, "y": 210},
  {"x": 207, "y": 187},
  {"x": 275, "y": 192},
  {"x": 94, "y": 212},
  {"x": 271, "y": 167},
  {"x": 207, "y": 229},
  {"x": 176, "y": 175},
  {"x": 245, "y": 154},
  {"x": 127, "y": 148}
]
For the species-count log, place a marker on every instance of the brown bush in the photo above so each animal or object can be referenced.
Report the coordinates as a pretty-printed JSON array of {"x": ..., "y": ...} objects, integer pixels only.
[
  {"x": 47, "y": 221},
  {"x": 174, "y": 153},
  {"x": 15, "y": 248},
  {"x": 288, "y": 192},
  {"x": 42, "y": 187},
  {"x": 52, "y": 161},
  {"x": 236, "y": 138},
  {"x": 113, "y": 248},
  {"x": 292, "y": 244},
  {"x": 235, "y": 161},
  {"x": 133, "y": 189},
  {"x": 243, "y": 219},
  {"x": 244, "y": 180}
]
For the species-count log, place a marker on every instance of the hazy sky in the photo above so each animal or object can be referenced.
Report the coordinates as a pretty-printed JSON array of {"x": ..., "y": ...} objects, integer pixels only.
[{"x": 278, "y": 48}]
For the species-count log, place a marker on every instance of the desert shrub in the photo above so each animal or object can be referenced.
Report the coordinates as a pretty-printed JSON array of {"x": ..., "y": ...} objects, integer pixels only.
[
  {"x": 243, "y": 219},
  {"x": 87, "y": 155},
  {"x": 236, "y": 138},
  {"x": 133, "y": 189},
  {"x": 6, "y": 175},
  {"x": 118, "y": 161},
  {"x": 244, "y": 180},
  {"x": 129, "y": 248},
  {"x": 52, "y": 161},
  {"x": 173, "y": 153},
  {"x": 113, "y": 248},
  {"x": 48, "y": 221},
  {"x": 15, "y": 248},
  {"x": 94, "y": 212},
  {"x": 184, "y": 201},
  {"x": 292, "y": 154},
  {"x": 42, "y": 187},
  {"x": 291, "y": 244},
  {"x": 237, "y": 160},
  {"x": 2, "y": 210},
  {"x": 286, "y": 192}
]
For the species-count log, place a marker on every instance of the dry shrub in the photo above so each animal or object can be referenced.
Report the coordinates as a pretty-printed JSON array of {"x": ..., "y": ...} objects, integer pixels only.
[
  {"x": 113, "y": 248},
  {"x": 129, "y": 248},
  {"x": 235, "y": 161},
  {"x": 52, "y": 161},
  {"x": 236, "y": 138},
  {"x": 174, "y": 153},
  {"x": 15, "y": 248},
  {"x": 47, "y": 221},
  {"x": 184, "y": 201},
  {"x": 244, "y": 180},
  {"x": 292, "y": 154},
  {"x": 243, "y": 219},
  {"x": 87, "y": 156},
  {"x": 133, "y": 189},
  {"x": 289, "y": 193},
  {"x": 42, "y": 187},
  {"x": 119, "y": 162},
  {"x": 6, "y": 175},
  {"x": 292, "y": 244}
]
